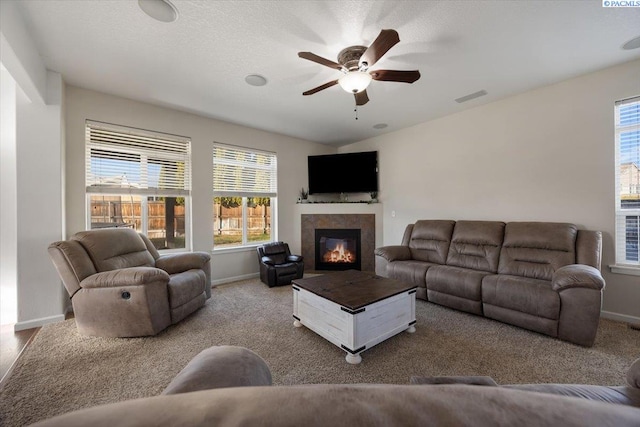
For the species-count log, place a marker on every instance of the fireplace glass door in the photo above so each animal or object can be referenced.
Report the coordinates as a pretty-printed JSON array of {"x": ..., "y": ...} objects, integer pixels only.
[{"x": 337, "y": 249}]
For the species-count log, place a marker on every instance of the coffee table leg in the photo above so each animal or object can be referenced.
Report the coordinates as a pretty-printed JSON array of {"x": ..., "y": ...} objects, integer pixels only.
[
  {"x": 353, "y": 359},
  {"x": 297, "y": 323},
  {"x": 411, "y": 329}
]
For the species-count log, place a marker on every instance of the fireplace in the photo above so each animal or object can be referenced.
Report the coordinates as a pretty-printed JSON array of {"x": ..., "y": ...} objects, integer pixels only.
[{"x": 337, "y": 249}]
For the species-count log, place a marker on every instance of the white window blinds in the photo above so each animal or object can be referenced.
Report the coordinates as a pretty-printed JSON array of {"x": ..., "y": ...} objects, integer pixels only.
[
  {"x": 243, "y": 172},
  {"x": 627, "y": 120},
  {"x": 120, "y": 159}
]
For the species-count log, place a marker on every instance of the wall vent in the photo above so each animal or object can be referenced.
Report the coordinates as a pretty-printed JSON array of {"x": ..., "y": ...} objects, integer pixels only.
[{"x": 471, "y": 96}]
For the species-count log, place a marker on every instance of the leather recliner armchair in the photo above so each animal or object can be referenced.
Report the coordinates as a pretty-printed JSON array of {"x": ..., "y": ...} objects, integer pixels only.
[
  {"x": 120, "y": 286},
  {"x": 277, "y": 266}
]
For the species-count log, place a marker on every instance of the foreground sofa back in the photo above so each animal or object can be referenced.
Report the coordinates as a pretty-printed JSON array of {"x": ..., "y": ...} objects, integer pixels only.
[
  {"x": 229, "y": 386},
  {"x": 120, "y": 286},
  {"x": 542, "y": 276},
  {"x": 628, "y": 395}
]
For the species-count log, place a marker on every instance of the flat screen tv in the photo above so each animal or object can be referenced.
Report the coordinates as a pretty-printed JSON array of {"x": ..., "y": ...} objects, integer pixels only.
[{"x": 344, "y": 173}]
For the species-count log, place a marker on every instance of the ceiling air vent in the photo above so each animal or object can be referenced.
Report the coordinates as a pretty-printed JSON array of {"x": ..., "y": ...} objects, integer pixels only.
[{"x": 471, "y": 96}]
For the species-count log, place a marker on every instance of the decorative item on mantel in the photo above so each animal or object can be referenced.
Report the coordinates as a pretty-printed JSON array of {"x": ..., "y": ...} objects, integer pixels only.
[{"x": 304, "y": 194}]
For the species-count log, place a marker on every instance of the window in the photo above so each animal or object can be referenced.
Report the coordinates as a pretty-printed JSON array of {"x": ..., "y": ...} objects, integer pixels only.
[
  {"x": 244, "y": 196},
  {"x": 138, "y": 179},
  {"x": 628, "y": 182}
]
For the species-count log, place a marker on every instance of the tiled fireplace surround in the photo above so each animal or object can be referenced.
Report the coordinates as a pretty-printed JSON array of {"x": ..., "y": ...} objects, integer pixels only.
[{"x": 366, "y": 217}]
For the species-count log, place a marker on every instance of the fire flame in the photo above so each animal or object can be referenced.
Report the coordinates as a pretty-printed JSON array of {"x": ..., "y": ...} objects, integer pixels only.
[{"x": 339, "y": 254}]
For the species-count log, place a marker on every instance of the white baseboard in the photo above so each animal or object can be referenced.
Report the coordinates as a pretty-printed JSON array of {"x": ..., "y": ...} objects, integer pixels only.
[
  {"x": 620, "y": 317},
  {"x": 234, "y": 279},
  {"x": 36, "y": 323}
]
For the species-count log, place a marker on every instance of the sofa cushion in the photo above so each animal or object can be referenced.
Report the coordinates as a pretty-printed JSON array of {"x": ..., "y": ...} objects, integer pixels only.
[
  {"x": 115, "y": 248},
  {"x": 476, "y": 245},
  {"x": 461, "y": 282},
  {"x": 276, "y": 251},
  {"x": 183, "y": 287},
  {"x": 430, "y": 240},
  {"x": 453, "y": 301},
  {"x": 537, "y": 249},
  {"x": 287, "y": 269},
  {"x": 413, "y": 272},
  {"x": 72, "y": 262},
  {"x": 221, "y": 367},
  {"x": 531, "y": 296}
]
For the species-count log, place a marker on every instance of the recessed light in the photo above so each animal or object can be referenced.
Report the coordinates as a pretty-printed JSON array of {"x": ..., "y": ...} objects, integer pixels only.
[
  {"x": 380, "y": 126},
  {"x": 161, "y": 10},
  {"x": 632, "y": 44},
  {"x": 255, "y": 80},
  {"x": 471, "y": 96}
]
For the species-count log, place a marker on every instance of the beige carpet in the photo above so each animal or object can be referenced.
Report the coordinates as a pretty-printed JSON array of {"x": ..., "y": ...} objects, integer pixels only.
[{"x": 62, "y": 371}]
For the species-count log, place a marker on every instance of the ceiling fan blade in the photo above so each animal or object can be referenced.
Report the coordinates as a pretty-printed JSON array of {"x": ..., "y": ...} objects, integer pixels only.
[
  {"x": 320, "y": 60},
  {"x": 361, "y": 97},
  {"x": 385, "y": 41},
  {"x": 321, "y": 87},
  {"x": 396, "y": 76}
]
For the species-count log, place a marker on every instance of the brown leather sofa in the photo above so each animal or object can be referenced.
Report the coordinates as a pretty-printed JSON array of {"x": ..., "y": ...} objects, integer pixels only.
[
  {"x": 120, "y": 286},
  {"x": 229, "y": 386},
  {"x": 540, "y": 276}
]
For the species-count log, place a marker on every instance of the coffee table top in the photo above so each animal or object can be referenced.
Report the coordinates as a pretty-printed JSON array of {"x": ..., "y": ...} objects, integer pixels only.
[{"x": 353, "y": 289}]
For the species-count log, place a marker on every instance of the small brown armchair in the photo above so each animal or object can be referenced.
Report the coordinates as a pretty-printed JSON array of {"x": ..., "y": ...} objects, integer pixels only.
[
  {"x": 277, "y": 266},
  {"x": 120, "y": 286}
]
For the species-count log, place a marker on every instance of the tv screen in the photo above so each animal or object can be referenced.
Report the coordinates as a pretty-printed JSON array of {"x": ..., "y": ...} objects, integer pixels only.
[{"x": 344, "y": 173}]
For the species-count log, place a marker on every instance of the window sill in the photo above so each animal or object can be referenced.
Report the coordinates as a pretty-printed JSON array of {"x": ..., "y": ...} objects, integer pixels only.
[
  {"x": 625, "y": 269},
  {"x": 172, "y": 251},
  {"x": 245, "y": 248}
]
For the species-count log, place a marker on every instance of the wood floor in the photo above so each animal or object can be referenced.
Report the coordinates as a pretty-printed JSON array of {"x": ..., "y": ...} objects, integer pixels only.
[{"x": 12, "y": 344}]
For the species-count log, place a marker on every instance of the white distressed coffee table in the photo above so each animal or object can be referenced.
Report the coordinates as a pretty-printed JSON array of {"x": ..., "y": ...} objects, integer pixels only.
[{"x": 354, "y": 310}]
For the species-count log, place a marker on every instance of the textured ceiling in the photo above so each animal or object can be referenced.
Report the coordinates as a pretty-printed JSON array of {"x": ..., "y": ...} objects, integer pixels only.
[{"x": 198, "y": 63}]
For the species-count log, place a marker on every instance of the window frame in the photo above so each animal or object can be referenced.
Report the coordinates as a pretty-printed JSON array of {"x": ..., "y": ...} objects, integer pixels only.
[
  {"x": 144, "y": 191},
  {"x": 622, "y": 263},
  {"x": 245, "y": 192}
]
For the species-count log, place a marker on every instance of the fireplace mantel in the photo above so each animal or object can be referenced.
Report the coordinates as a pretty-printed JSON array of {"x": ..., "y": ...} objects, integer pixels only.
[{"x": 335, "y": 209}]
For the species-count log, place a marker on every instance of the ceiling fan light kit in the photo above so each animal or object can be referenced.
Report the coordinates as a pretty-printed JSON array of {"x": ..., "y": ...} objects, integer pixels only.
[
  {"x": 355, "y": 61},
  {"x": 355, "y": 81}
]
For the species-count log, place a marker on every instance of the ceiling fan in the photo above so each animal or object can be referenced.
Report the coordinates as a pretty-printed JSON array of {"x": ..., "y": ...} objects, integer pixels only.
[{"x": 354, "y": 63}]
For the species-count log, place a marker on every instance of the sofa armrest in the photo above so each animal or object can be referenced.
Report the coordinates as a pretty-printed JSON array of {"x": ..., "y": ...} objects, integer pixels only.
[
  {"x": 133, "y": 276},
  {"x": 577, "y": 276},
  {"x": 220, "y": 367},
  {"x": 394, "y": 253},
  {"x": 267, "y": 260},
  {"x": 294, "y": 258},
  {"x": 177, "y": 263}
]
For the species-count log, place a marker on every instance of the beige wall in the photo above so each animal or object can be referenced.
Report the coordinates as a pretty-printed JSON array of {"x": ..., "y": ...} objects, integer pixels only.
[
  {"x": 292, "y": 166},
  {"x": 31, "y": 175},
  {"x": 39, "y": 189},
  {"x": 544, "y": 155}
]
